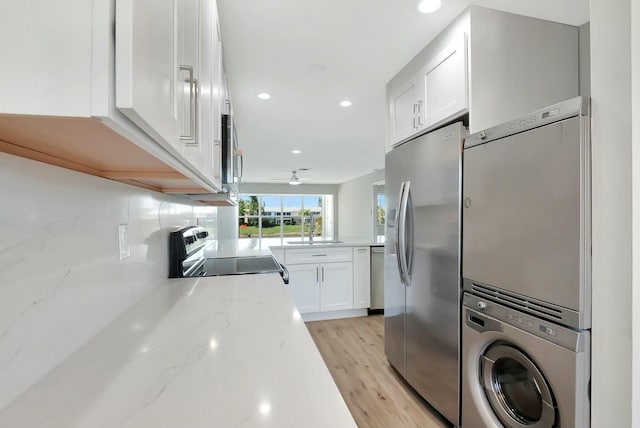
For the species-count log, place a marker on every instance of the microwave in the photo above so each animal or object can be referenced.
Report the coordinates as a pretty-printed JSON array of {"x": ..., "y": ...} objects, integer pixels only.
[
  {"x": 231, "y": 168},
  {"x": 232, "y": 162}
]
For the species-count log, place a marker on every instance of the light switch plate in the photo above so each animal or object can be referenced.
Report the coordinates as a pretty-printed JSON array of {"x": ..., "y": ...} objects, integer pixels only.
[{"x": 123, "y": 241}]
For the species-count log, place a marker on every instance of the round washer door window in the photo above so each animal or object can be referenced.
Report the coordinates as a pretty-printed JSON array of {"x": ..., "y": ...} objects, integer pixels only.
[{"x": 517, "y": 391}]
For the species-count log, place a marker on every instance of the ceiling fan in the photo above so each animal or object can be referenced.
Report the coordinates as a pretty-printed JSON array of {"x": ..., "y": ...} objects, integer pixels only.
[{"x": 294, "y": 180}]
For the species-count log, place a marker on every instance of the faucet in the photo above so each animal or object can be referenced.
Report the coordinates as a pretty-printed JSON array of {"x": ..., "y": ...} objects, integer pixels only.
[{"x": 311, "y": 224}]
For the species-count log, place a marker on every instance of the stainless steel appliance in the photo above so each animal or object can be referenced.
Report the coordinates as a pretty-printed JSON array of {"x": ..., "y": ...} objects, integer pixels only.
[
  {"x": 377, "y": 279},
  {"x": 520, "y": 371},
  {"x": 527, "y": 214},
  {"x": 422, "y": 265},
  {"x": 232, "y": 167},
  {"x": 186, "y": 258}
]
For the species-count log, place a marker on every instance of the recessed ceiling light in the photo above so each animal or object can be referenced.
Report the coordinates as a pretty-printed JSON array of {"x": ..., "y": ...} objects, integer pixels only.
[
  {"x": 428, "y": 6},
  {"x": 296, "y": 151},
  {"x": 345, "y": 103},
  {"x": 264, "y": 96}
]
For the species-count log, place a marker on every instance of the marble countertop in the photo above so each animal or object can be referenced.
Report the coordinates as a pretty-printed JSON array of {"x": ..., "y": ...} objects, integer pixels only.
[
  {"x": 278, "y": 243},
  {"x": 249, "y": 247},
  {"x": 235, "y": 248},
  {"x": 199, "y": 352}
]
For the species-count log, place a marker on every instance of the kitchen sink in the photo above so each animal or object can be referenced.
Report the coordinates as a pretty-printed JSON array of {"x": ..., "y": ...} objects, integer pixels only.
[{"x": 314, "y": 242}]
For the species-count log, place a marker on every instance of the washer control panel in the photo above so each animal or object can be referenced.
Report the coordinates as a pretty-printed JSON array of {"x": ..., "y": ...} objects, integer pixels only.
[{"x": 478, "y": 308}]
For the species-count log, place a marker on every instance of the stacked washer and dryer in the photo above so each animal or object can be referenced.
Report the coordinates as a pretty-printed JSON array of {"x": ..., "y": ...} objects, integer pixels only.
[{"x": 526, "y": 251}]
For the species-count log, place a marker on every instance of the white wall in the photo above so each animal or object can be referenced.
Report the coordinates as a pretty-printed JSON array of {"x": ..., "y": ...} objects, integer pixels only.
[
  {"x": 635, "y": 108},
  {"x": 585, "y": 59},
  {"x": 355, "y": 206},
  {"x": 287, "y": 189},
  {"x": 61, "y": 280},
  {"x": 611, "y": 181}
]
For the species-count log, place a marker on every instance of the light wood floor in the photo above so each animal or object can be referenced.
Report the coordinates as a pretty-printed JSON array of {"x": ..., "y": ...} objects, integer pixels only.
[{"x": 353, "y": 350}]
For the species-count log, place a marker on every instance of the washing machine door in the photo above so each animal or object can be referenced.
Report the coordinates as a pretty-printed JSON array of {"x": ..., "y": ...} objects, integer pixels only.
[{"x": 516, "y": 389}]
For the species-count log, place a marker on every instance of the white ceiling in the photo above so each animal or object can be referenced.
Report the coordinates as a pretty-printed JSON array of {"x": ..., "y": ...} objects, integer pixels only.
[{"x": 310, "y": 55}]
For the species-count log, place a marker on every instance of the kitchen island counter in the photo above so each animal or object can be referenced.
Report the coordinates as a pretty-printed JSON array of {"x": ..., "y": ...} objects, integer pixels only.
[{"x": 199, "y": 352}]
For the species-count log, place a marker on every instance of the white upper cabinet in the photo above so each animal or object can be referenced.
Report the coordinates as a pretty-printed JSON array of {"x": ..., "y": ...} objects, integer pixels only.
[
  {"x": 209, "y": 96},
  {"x": 127, "y": 90},
  {"x": 435, "y": 93},
  {"x": 444, "y": 85},
  {"x": 147, "y": 72},
  {"x": 403, "y": 104},
  {"x": 488, "y": 64},
  {"x": 46, "y": 57}
]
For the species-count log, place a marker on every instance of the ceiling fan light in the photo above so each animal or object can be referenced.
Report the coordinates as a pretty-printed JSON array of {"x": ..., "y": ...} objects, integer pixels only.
[
  {"x": 428, "y": 6},
  {"x": 294, "y": 180}
]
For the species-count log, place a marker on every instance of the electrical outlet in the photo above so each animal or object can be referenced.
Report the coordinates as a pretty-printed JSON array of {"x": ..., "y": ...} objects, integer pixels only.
[{"x": 123, "y": 241}]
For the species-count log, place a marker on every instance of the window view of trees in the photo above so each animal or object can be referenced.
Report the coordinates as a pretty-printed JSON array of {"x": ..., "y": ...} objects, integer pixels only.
[
  {"x": 380, "y": 213},
  {"x": 276, "y": 216}
]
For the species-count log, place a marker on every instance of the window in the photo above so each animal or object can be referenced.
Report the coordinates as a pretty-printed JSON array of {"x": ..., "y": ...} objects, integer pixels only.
[
  {"x": 276, "y": 217},
  {"x": 379, "y": 213}
]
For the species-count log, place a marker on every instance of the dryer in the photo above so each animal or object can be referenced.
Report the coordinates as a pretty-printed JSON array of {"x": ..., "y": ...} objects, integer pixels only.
[
  {"x": 527, "y": 213},
  {"x": 521, "y": 371}
]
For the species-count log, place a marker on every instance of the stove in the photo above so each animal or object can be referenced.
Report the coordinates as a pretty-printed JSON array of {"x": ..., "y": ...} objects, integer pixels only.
[{"x": 187, "y": 258}]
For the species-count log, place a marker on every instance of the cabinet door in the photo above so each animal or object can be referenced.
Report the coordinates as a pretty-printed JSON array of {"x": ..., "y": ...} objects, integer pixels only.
[
  {"x": 206, "y": 155},
  {"x": 402, "y": 112},
  {"x": 188, "y": 88},
  {"x": 146, "y": 71},
  {"x": 444, "y": 80},
  {"x": 336, "y": 286},
  {"x": 361, "y": 277},
  {"x": 304, "y": 287}
]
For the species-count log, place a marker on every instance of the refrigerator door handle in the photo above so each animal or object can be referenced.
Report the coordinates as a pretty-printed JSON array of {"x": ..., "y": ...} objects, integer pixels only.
[
  {"x": 402, "y": 232},
  {"x": 408, "y": 232},
  {"x": 399, "y": 232}
]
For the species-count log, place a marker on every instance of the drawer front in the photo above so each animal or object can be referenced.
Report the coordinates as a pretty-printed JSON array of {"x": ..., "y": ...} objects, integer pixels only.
[{"x": 319, "y": 255}]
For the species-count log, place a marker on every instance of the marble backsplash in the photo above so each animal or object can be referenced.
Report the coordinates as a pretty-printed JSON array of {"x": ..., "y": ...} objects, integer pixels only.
[{"x": 61, "y": 279}]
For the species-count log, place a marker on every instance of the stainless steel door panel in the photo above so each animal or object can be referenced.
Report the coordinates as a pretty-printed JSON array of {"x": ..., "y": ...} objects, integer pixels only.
[
  {"x": 433, "y": 302},
  {"x": 524, "y": 230},
  {"x": 394, "y": 290}
]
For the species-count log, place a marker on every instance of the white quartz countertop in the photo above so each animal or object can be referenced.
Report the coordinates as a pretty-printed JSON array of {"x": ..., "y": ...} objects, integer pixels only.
[
  {"x": 199, "y": 352},
  {"x": 277, "y": 243},
  {"x": 235, "y": 248},
  {"x": 249, "y": 247}
]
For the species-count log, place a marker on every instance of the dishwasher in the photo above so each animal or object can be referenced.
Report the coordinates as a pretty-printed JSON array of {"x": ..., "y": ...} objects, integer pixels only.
[{"x": 377, "y": 280}]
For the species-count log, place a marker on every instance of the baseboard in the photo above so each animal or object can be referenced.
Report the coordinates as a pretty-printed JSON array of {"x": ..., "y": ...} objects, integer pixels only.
[{"x": 333, "y": 315}]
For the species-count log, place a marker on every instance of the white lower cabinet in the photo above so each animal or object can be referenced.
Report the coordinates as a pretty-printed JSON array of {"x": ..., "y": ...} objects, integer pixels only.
[
  {"x": 362, "y": 277},
  {"x": 305, "y": 287},
  {"x": 321, "y": 287},
  {"x": 336, "y": 286},
  {"x": 333, "y": 281}
]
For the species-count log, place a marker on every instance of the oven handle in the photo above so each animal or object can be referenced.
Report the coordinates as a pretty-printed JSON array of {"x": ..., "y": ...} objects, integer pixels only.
[{"x": 284, "y": 273}]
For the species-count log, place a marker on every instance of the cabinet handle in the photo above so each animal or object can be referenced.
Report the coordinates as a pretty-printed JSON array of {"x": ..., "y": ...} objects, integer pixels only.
[
  {"x": 317, "y": 274},
  {"x": 420, "y": 113},
  {"x": 415, "y": 106},
  {"x": 362, "y": 250},
  {"x": 318, "y": 255},
  {"x": 193, "y": 107},
  {"x": 322, "y": 273}
]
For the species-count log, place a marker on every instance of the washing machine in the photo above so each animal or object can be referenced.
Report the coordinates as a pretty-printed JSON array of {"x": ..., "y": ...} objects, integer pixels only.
[{"x": 521, "y": 371}]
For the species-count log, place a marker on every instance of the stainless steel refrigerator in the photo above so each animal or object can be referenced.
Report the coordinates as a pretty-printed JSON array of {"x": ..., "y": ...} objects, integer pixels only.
[{"x": 422, "y": 265}]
